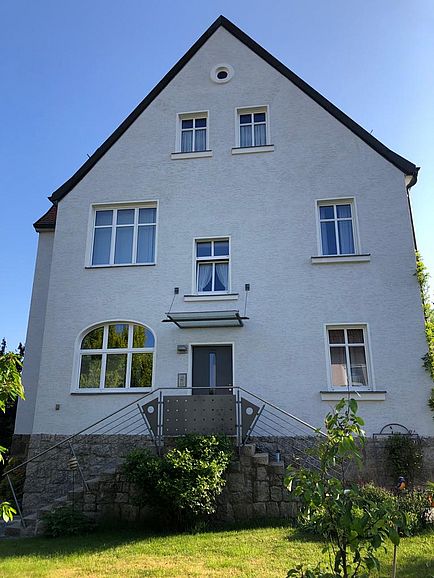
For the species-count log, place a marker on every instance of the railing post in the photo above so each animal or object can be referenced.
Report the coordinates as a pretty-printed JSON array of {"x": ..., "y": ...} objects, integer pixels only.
[
  {"x": 79, "y": 468},
  {"x": 238, "y": 419},
  {"x": 160, "y": 421},
  {"x": 16, "y": 501}
]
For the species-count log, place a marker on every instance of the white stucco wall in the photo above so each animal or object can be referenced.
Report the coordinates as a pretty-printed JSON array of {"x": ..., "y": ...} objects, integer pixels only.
[
  {"x": 266, "y": 203},
  {"x": 35, "y": 333}
]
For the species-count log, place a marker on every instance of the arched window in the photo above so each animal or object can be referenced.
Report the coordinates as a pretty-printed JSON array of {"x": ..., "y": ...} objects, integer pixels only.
[{"x": 117, "y": 355}]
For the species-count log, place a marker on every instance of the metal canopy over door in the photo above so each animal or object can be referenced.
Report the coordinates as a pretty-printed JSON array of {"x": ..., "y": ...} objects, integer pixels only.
[{"x": 212, "y": 369}]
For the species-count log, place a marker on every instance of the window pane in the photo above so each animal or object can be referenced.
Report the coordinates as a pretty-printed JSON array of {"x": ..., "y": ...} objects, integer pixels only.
[
  {"x": 203, "y": 249},
  {"x": 124, "y": 245},
  {"x": 212, "y": 369},
  {"x": 118, "y": 336},
  {"x": 125, "y": 217},
  {"x": 328, "y": 238},
  {"x": 359, "y": 373},
  {"x": 101, "y": 246},
  {"x": 141, "y": 370},
  {"x": 259, "y": 117},
  {"x": 246, "y": 136},
  {"x": 93, "y": 340},
  {"x": 147, "y": 216},
  {"x": 245, "y": 118},
  {"x": 336, "y": 336},
  {"x": 204, "y": 277},
  {"x": 221, "y": 248},
  {"x": 142, "y": 337},
  {"x": 326, "y": 212},
  {"x": 187, "y": 141},
  {"x": 115, "y": 372},
  {"x": 187, "y": 123},
  {"x": 90, "y": 371},
  {"x": 200, "y": 122},
  {"x": 343, "y": 211},
  {"x": 355, "y": 335},
  {"x": 146, "y": 244},
  {"x": 339, "y": 366},
  {"x": 260, "y": 135},
  {"x": 346, "y": 241},
  {"x": 103, "y": 217},
  {"x": 221, "y": 277},
  {"x": 200, "y": 140}
]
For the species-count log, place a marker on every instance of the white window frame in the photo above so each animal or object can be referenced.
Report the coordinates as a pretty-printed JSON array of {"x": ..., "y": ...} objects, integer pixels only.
[
  {"x": 368, "y": 356},
  {"x": 104, "y": 352},
  {"x": 191, "y": 116},
  {"x": 252, "y": 110},
  {"x": 356, "y": 239},
  {"x": 116, "y": 207},
  {"x": 213, "y": 259}
]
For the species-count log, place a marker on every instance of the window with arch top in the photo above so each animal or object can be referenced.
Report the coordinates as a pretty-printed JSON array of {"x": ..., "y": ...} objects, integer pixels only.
[{"x": 116, "y": 355}]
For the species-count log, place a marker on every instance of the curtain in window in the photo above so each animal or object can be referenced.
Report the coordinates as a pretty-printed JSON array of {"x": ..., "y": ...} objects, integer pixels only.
[
  {"x": 146, "y": 244},
  {"x": 187, "y": 141},
  {"x": 328, "y": 238},
  {"x": 200, "y": 140},
  {"x": 346, "y": 241},
  {"x": 260, "y": 135},
  {"x": 221, "y": 273},
  {"x": 245, "y": 136},
  {"x": 359, "y": 372},
  {"x": 204, "y": 277}
]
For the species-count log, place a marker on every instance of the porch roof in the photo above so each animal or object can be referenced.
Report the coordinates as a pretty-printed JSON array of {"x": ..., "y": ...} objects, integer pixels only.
[{"x": 187, "y": 319}]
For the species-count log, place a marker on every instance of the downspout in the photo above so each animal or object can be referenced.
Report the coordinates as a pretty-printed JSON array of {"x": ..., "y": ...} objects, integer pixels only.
[{"x": 410, "y": 181}]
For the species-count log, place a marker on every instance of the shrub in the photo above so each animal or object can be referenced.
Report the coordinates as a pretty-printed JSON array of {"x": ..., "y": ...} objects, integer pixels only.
[
  {"x": 66, "y": 521},
  {"x": 183, "y": 484},
  {"x": 404, "y": 456}
]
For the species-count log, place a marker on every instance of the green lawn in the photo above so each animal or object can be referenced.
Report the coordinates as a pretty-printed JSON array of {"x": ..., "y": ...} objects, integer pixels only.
[{"x": 257, "y": 552}]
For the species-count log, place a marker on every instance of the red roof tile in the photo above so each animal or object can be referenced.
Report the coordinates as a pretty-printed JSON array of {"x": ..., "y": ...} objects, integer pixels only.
[{"x": 47, "y": 221}]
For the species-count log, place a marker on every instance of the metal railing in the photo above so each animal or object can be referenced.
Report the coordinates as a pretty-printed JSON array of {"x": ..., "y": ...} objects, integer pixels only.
[{"x": 48, "y": 470}]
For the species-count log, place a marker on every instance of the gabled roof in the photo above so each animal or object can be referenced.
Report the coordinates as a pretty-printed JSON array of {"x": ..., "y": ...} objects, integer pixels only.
[{"x": 407, "y": 167}]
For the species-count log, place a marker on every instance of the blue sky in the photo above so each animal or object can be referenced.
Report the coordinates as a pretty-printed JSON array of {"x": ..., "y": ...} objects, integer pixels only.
[{"x": 72, "y": 70}]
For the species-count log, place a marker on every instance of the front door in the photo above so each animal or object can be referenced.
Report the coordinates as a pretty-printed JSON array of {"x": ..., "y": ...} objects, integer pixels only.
[{"x": 212, "y": 369}]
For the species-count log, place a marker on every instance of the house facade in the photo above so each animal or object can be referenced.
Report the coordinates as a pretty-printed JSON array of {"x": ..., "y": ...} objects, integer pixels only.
[{"x": 236, "y": 230}]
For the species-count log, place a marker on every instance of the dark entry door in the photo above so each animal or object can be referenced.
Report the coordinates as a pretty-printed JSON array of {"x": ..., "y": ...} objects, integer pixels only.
[{"x": 212, "y": 369}]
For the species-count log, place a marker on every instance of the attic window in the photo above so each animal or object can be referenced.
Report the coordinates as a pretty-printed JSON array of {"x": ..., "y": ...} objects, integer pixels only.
[{"x": 222, "y": 73}]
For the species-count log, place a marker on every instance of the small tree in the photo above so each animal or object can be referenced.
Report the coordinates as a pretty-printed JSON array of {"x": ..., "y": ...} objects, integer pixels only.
[
  {"x": 353, "y": 525},
  {"x": 10, "y": 390}
]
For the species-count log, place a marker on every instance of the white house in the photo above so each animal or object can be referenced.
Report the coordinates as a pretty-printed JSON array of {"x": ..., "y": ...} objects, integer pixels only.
[{"x": 270, "y": 232}]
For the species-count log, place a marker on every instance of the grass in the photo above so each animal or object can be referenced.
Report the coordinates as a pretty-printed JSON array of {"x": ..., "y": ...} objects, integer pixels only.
[{"x": 263, "y": 552}]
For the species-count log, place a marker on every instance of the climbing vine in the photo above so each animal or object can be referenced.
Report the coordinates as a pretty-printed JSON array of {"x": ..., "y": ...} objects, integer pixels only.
[{"x": 428, "y": 314}]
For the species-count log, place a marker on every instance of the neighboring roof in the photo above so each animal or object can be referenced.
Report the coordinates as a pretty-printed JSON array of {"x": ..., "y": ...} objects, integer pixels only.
[
  {"x": 47, "y": 221},
  {"x": 407, "y": 167}
]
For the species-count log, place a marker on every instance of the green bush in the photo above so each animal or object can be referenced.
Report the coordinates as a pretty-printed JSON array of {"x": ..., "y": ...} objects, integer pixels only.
[
  {"x": 66, "y": 521},
  {"x": 404, "y": 456},
  {"x": 183, "y": 484}
]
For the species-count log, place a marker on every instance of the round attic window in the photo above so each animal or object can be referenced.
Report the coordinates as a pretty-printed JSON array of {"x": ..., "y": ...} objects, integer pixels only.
[{"x": 222, "y": 73}]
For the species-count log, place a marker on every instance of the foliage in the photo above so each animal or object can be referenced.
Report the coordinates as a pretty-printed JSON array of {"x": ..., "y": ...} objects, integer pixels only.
[
  {"x": 428, "y": 313},
  {"x": 183, "y": 484},
  {"x": 354, "y": 524},
  {"x": 66, "y": 521},
  {"x": 10, "y": 390},
  {"x": 404, "y": 456}
]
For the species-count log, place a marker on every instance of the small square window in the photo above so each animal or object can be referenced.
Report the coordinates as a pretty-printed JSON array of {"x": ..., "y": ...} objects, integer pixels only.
[
  {"x": 212, "y": 266},
  {"x": 252, "y": 129},
  {"x": 348, "y": 357},
  {"x": 337, "y": 228},
  {"x": 193, "y": 132}
]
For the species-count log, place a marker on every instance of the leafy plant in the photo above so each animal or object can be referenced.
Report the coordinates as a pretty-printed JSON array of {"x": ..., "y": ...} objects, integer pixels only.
[
  {"x": 428, "y": 314},
  {"x": 404, "y": 456},
  {"x": 183, "y": 484},
  {"x": 354, "y": 524},
  {"x": 66, "y": 521},
  {"x": 10, "y": 390}
]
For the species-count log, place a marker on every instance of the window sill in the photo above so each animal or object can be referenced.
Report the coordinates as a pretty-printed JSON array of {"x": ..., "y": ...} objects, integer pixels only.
[
  {"x": 120, "y": 265},
  {"x": 245, "y": 150},
  {"x": 111, "y": 391},
  {"x": 192, "y": 155},
  {"x": 326, "y": 259},
  {"x": 216, "y": 297},
  {"x": 357, "y": 395}
]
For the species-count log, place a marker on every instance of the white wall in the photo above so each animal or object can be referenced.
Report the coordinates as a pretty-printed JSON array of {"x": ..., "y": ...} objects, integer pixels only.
[{"x": 266, "y": 203}]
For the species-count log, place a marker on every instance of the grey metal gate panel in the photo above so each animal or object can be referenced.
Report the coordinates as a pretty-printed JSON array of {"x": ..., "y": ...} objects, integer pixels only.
[
  {"x": 202, "y": 414},
  {"x": 150, "y": 413}
]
